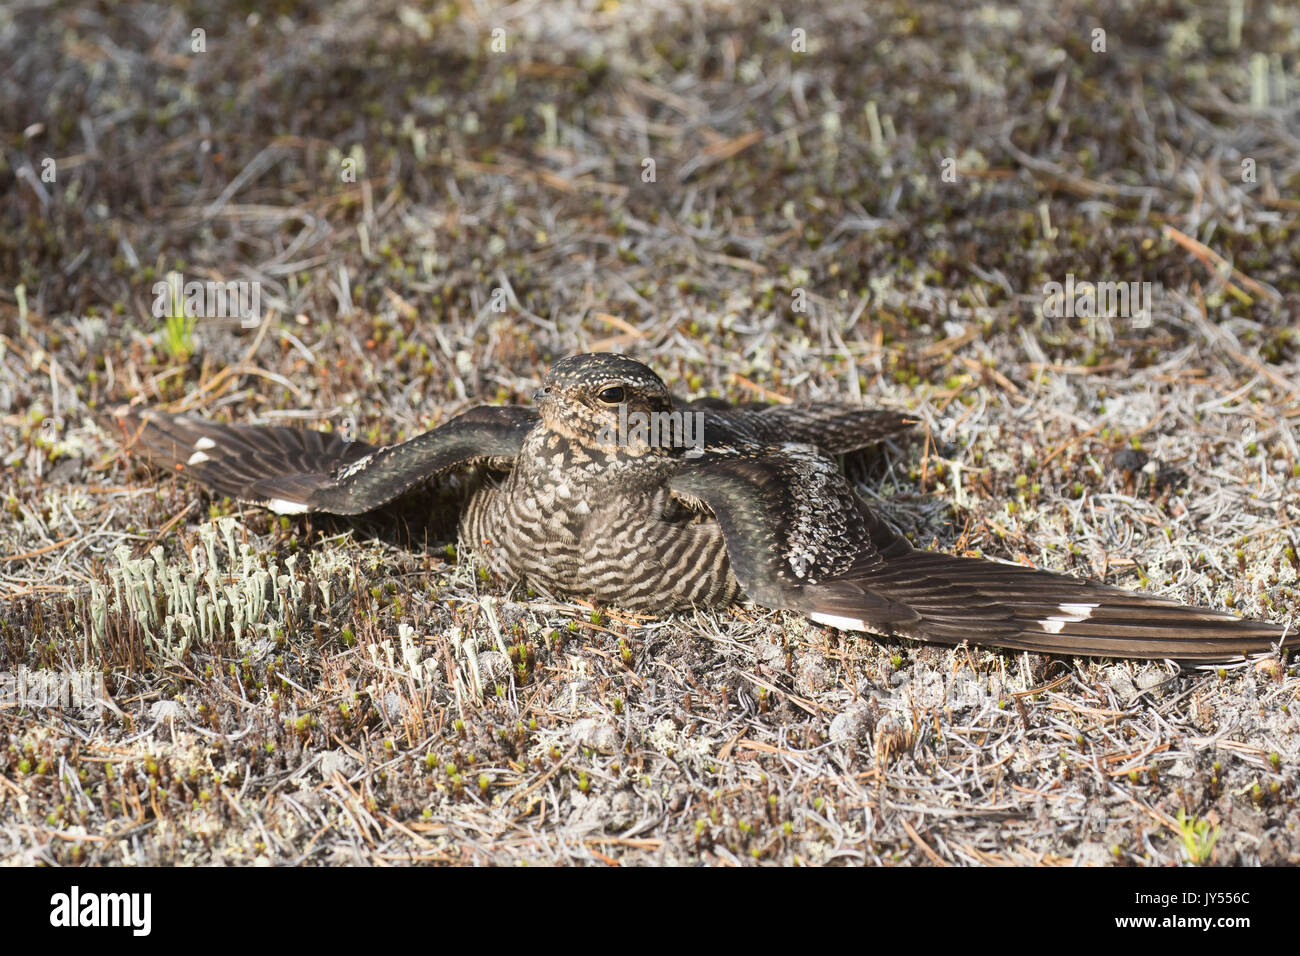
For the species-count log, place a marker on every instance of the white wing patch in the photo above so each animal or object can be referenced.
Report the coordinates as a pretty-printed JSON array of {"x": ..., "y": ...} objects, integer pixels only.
[
  {"x": 283, "y": 506},
  {"x": 1081, "y": 611},
  {"x": 1070, "y": 614},
  {"x": 200, "y": 446},
  {"x": 843, "y": 623}
]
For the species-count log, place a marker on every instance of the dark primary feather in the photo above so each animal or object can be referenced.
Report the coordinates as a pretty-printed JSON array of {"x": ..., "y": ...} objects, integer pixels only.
[
  {"x": 955, "y": 600},
  {"x": 241, "y": 461}
]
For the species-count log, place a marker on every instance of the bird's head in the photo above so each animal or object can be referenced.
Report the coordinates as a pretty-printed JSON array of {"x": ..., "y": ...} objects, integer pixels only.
[{"x": 606, "y": 402}]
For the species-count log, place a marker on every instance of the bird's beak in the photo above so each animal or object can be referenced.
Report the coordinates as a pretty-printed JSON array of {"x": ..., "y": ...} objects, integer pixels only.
[{"x": 539, "y": 395}]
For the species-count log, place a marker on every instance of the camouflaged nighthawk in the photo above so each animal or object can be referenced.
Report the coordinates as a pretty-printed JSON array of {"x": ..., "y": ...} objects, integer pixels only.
[{"x": 563, "y": 498}]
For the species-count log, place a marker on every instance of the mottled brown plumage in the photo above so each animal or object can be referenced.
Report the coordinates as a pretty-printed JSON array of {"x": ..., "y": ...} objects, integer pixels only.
[{"x": 573, "y": 498}]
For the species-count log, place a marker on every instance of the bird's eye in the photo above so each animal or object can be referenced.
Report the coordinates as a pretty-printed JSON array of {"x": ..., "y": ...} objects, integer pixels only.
[{"x": 612, "y": 395}]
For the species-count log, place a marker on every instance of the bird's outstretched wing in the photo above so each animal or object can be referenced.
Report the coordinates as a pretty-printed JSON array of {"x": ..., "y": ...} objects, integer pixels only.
[
  {"x": 835, "y": 429},
  {"x": 799, "y": 537},
  {"x": 292, "y": 471}
]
